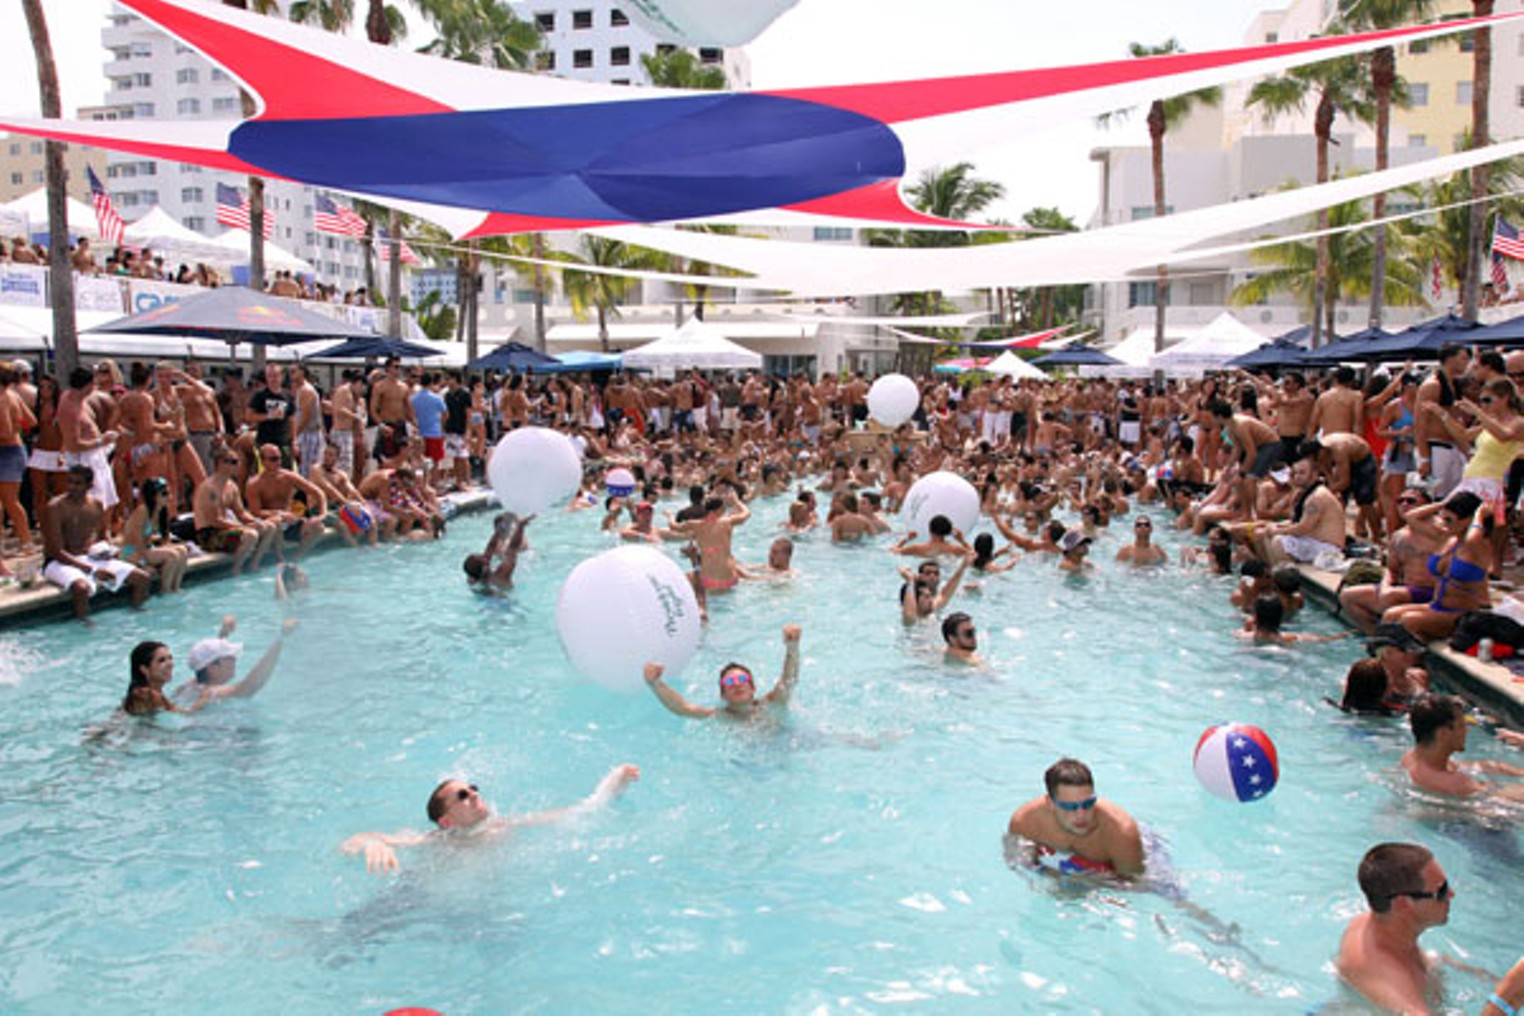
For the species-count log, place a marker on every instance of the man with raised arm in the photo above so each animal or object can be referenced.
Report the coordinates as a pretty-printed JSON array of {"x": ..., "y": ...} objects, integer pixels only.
[
  {"x": 458, "y": 811},
  {"x": 738, "y": 688}
]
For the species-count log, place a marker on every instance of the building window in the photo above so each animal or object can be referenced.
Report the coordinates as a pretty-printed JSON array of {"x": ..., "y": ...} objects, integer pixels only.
[
  {"x": 149, "y": 168},
  {"x": 545, "y": 60},
  {"x": 665, "y": 49},
  {"x": 582, "y": 20},
  {"x": 191, "y": 195},
  {"x": 186, "y": 167},
  {"x": 582, "y": 58},
  {"x": 218, "y": 74},
  {"x": 16, "y": 179},
  {"x": 1418, "y": 92},
  {"x": 126, "y": 199},
  {"x": 1463, "y": 93},
  {"x": 37, "y": 176},
  {"x": 188, "y": 106},
  {"x": 618, "y": 18},
  {"x": 1141, "y": 294},
  {"x": 187, "y": 76},
  {"x": 545, "y": 21},
  {"x": 311, "y": 239},
  {"x": 1518, "y": 95},
  {"x": 1418, "y": 140},
  {"x": 1468, "y": 42},
  {"x": 1147, "y": 211},
  {"x": 36, "y": 147},
  {"x": 1271, "y": 38},
  {"x": 711, "y": 55},
  {"x": 150, "y": 197},
  {"x": 143, "y": 109},
  {"x": 619, "y": 56},
  {"x": 225, "y": 103},
  {"x": 15, "y": 148},
  {"x": 141, "y": 80},
  {"x": 620, "y": 81},
  {"x": 830, "y": 234},
  {"x": 195, "y": 222},
  {"x": 1420, "y": 46},
  {"x": 141, "y": 49}
]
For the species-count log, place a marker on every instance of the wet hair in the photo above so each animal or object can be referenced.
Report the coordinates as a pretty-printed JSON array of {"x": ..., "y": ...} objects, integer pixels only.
[
  {"x": 1431, "y": 714},
  {"x": 1269, "y": 612},
  {"x": 1067, "y": 772},
  {"x": 1221, "y": 410},
  {"x": 1463, "y": 504},
  {"x": 712, "y": 505},
  {"x": 951, "y": 623},
  {"x": 1253, "y": 568},
  {"x": 940, "y": 525},
  {"x": 1390, "y": 869},
  {"x": 734, "y": 665},
  {"x": 155, "y": 492},
  {"x": 1056, "y": 530},
  {"x": 439, "y": 802},
  {"x": 1287, "y": 579},
  {"x": 984, "y": 549},
  {"x": 138, "y": 662},
  {"x": 83, "y": 472},
  {"x": 1365, "y": 688},
  {"x": 1344, "y": 375}
]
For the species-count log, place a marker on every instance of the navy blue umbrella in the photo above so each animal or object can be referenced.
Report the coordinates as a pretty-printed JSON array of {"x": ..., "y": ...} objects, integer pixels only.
[
  {"x": 515, "y": 357},
  {"x": 1277, "y": 354},
  {"x": 1504, "y": 333},
  {"x": 1350, "y": 347},
  {"x": 237, "y": 314},
  {"x": 1076, "y": 356},
  {"x": 377, "y": 347},
  {"x": 1423, "y": 339}
]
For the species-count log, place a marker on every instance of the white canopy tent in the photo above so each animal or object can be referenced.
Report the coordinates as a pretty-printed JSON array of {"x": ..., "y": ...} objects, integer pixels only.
[
  {"x": 162, "y": 232},
  {"x": 695, "y": 344},
  {"x": 34, "y": 207},
  {"x": 1008, "y": 364},
  {"x": 235, "y": 242},
  {"x": 1208, "y": 347}
]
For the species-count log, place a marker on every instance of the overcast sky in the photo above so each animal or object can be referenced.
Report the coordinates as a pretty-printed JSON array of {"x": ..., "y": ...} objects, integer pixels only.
[{"x": 829, "y": 42}]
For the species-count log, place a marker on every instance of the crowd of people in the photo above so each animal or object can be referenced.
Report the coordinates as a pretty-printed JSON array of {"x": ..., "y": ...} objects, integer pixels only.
[{"x": 1414, "y": 475}]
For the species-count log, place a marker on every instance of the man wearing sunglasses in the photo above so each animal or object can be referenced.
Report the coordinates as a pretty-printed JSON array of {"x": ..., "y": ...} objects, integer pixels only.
[
  {"x": 738, "y": 688},
  {"x": 1142, "y": 550},
  {"x": 1379, "y": 955},
  {"x": 457, "y": 809},
  {"x": 962, "y": 640},
  {"x": 1074, "y": 832}
]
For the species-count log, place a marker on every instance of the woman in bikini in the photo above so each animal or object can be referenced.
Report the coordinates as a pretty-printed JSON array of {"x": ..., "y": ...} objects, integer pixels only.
[
  {"x": 146, "y": 541},
  {"x": 1459, "y": 569}
]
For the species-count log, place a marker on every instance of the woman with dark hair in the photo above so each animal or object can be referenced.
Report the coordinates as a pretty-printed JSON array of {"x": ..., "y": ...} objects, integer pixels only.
[
  {"x": 15, "y": 419},
  {"x": 145, "y": 537},
  {"x": 1459, "y": 568},
  {"x": 152, "y": 666},
  {"x": 46, "y": 463},
  {"x": 1365, "y": 690},
  {"x": 1497, "y": 437}
]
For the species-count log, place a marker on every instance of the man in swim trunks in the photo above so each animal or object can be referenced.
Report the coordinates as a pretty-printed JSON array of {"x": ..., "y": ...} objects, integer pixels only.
[
  {"x": 1317, "y": 521},
  {"x": 1438, "y": 723},
  {"x": 223, "y": 524},
  {"x": 284, "y": 498},
  {"x": 456, "y": 808},
  {"x": 1256, "y": 447},
  {"x": 1073, "y": 831},
  {"x": 738, "y": 688},
  {"x": 76, "y": 551},
  {"x": 1379, "y": 956},
  {"x": 1353, "y": 473}
]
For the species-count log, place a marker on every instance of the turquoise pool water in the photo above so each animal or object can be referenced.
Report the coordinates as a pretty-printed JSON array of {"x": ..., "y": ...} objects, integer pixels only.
[{"x": 851, "y": 862}]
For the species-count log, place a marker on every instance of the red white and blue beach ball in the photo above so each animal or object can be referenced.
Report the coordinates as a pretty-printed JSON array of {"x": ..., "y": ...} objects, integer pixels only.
[{"x": 1236, "y": 762}]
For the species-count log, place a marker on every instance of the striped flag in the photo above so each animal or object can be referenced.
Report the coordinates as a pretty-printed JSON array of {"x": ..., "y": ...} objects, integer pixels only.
[
  {"x": 233, "y": 210},
  {"x": 1505, "y": 240},
  {"x": 1499, "y": 274},
  {"x": 106, "y": 218},
  {"x": 328, "y": 216},
  {"x": 384, "y": 248},
  {"x": 1436, "y": 280}
]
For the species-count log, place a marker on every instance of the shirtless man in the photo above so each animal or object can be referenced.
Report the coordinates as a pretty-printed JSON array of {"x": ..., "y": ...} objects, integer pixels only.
[
  {"x": 779, "y": 564},
  {"x": 223, "y": 524},
  {"x": 349, "y": 415},
  {"x": 202, "y": 420},
  {"x": 84, "y": 443},
  {"x": 214, "y": 663},
  {"x": 1438, "y": 723},
  {"x": 962, "y": 639},
  {"x": 460, "y": 815},
  {"x": 1256, "y": 448},
  {"x": 309, "y": 421},
  {"x": 1352, "y": 472},
  {"x": 1072, "y": 831},
  {"x": 273, "y": 496},
  {"x": 1316, "y": 526},
  {"x": 712, "y": 533},
  {"x": 503, "y": 547},
  {"x": 944, "y": 539},
  {"x": 72, "y": 528},
  {"x": 1142, "y": 551},
  {"x": 1341, "y": 409},
  {"x": 392, "y": 410},
  {"x": 854, "y": 398},
  {"x": 355, "y": 517},
  {"x": 1379, "y": 957},
  {"x": 136, "y": 406},
  {"x": 850, "y": 525},
  {"x": 738, "y": 688},
  {"x": 1406, "y": 578},
  {"x": 1436, "y": 454}
]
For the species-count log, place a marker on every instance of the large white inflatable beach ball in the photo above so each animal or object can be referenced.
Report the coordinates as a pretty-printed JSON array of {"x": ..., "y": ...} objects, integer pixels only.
[
  {"x": 533, "y": 468},
  {"x": 1237, "y": 762},
  {"x": 624, "y": 608},
  {"x": 941, "y": 493},
  {"x": 892, "y": 399},
  {"x": 619, "y": 482}
]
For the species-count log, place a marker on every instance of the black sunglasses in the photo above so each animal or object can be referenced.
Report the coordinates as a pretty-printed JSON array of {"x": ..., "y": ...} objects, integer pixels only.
[
  {"x": 471, "y": 788},
  {"x": 1442, "y": 893}
]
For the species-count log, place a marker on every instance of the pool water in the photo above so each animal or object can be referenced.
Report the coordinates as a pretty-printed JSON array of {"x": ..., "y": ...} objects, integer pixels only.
[{"x": 851, "y": 861}]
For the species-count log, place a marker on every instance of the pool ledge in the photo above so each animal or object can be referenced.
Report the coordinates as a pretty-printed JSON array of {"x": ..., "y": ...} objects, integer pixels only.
[
  {"x": 1491, "y": 685},
  {"x": 46, "y": 602}
]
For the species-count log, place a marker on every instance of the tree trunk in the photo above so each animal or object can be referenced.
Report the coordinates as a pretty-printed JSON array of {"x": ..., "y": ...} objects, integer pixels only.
[
  {"x": 377, "y": 28},
  {"x": 1383, "y": 76},
  {"x": 394, "y": 275},
  {"x": 1323, "y": 130},
  {"x": 257, "y": 251},
  {"x": 60, "y": 272},
  {"x": 537, "y": 249},
  {"x": 1156, "y": 128},
  {"x": 473, "y": 287},
  {"x": 1481, "y": 127},
  {"x": 603, "y": 329}
]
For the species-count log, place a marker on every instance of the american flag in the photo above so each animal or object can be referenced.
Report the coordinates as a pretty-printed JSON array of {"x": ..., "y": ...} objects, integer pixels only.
[
  {"x": 106, "y": 218},
  {"x": 1505, "y": 240},
  {"x": 328, "y": 216},
  {"x": 233, "y": 210},
  {"x": 1499, "y": 274},
  {"x": 1436, "y": 279},
  {"x": 384, "y": 248}
]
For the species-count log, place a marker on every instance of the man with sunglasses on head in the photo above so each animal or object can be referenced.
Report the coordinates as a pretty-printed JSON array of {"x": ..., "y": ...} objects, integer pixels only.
[
  {"x": 1379, "y": 955},
  {"x": 457, "y": 810},
  {"x": 738, "y": 689},
  {"x": 1072, "y": 831}
]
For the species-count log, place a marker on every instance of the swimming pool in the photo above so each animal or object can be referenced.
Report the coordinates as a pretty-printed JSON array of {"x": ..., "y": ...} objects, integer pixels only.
[{"x": 850, "y": 862}]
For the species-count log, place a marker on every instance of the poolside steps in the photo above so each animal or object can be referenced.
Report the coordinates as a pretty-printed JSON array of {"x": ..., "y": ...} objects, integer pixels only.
[
  {"x": 1493, "y": 686},
  {"x": 46, "y": 602}
]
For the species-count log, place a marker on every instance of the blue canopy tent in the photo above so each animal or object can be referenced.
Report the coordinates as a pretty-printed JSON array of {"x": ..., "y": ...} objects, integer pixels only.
[
  {"x": 1423, "y": 339},
  {"x": 1356, "y": 346},
  {"x": 377, "y": 347},
  {"x": 1504, "y": 333},
  {"x": 1277, "y": 354},
  {"x": 1077, "y": 356},
  {"x": 514, "y": 357},
  {"x": 579, "y": 359}
]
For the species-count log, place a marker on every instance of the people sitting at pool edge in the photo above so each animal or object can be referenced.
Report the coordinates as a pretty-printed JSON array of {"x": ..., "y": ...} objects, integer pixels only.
[
  {"x": 456, "y": 809},
  {"x": 1073, "y": 831},
  {"x": 738, "y": 688}
]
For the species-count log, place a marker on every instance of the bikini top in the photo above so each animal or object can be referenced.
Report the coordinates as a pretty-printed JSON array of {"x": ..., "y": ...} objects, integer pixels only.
[{"x": 1460, "y": 571}]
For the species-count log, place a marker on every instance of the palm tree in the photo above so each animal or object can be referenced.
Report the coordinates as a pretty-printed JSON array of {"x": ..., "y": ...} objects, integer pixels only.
[
  {"x": 1446, "y": 236},
  {"x": 599, "y": 292},
  {"x": 1293, "y": 267},
  {"x": 1387, "y": 88},
  {"x": 484, "y": 32},
  {"x": 330, "y": 15},
  {"x": 60, "y": 272},
  {"x": 1162, "y": 115},
  {"x": 1340, "y": 87},
  {"x": 679, "y": 68},
  {"x": 1481, "y": 129},
  {"x": 1048, "y": 305}
]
